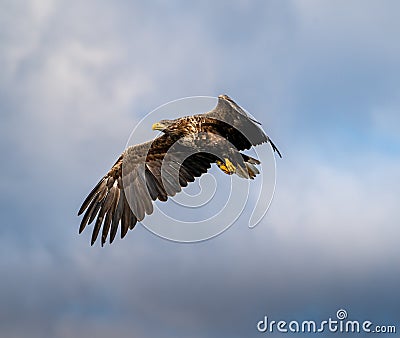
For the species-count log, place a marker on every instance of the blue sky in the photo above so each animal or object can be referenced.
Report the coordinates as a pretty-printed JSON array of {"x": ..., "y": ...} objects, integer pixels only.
[{"x": 322, "y": 77}]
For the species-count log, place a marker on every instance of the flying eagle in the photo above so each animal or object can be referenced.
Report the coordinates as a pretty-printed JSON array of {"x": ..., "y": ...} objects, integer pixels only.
[{"x": 156, "y": 169}]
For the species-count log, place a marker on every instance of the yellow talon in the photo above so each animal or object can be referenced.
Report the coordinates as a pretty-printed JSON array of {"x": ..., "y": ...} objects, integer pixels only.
[{"x": 227, "y": 167}]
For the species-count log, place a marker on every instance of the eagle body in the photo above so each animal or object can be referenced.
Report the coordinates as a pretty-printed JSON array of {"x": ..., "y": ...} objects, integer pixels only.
[{"x": 159, "y": 168}]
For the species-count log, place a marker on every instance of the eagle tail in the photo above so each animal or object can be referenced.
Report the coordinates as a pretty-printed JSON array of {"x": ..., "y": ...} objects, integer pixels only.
[{"x": 251, "y": 163}]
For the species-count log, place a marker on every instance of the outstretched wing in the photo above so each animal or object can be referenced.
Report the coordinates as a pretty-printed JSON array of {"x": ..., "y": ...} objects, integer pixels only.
[
  {"x": 230, "y": 121},
  {"x": 142, "y": 174}
]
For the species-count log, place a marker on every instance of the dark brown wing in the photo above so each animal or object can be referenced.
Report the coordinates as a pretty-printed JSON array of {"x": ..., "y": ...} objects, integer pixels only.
[
  {"x": 142, "y": 174},
  {"x": 230, "y": 121}
]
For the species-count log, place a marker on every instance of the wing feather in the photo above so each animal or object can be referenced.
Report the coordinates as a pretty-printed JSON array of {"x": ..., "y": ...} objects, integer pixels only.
[
  {"x": 116, "y": 217},
  {"x": 233, "y": 123},
  {"x": 141, "y": 175}
]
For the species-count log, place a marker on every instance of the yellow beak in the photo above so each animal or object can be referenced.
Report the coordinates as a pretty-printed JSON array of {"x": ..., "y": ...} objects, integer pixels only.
[{"x": 158, "y": 126}]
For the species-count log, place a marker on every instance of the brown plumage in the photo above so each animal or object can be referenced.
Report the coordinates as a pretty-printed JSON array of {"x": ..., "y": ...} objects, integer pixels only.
[{"x": 161, "y": 167}]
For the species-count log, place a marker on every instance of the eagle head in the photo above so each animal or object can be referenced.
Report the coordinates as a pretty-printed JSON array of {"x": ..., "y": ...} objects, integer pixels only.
[{"x": 163, "y": 125}]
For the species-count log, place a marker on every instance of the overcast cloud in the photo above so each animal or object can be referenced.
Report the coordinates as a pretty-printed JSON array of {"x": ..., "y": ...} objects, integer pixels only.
[{"x": 322, "y": 77}]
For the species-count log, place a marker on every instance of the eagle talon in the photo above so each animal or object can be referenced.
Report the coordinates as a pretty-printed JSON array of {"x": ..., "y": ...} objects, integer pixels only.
[{"x": 227, "y": 167}]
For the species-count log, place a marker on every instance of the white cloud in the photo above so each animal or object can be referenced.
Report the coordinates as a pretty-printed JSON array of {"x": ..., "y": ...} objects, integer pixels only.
[
  {"x": 347, "y": 214},
  {"x": 22, "y": 25}
]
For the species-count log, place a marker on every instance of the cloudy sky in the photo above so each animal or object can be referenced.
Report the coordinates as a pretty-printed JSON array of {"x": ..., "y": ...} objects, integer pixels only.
[{"x": 324, "y": 79}]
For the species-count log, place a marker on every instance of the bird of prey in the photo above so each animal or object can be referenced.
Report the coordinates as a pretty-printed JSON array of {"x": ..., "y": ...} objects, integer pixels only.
[{"x": 159, "y": 168}]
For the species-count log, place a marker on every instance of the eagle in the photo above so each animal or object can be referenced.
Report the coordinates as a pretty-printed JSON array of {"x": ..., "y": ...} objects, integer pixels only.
[{"x": 186, "y": 149}]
